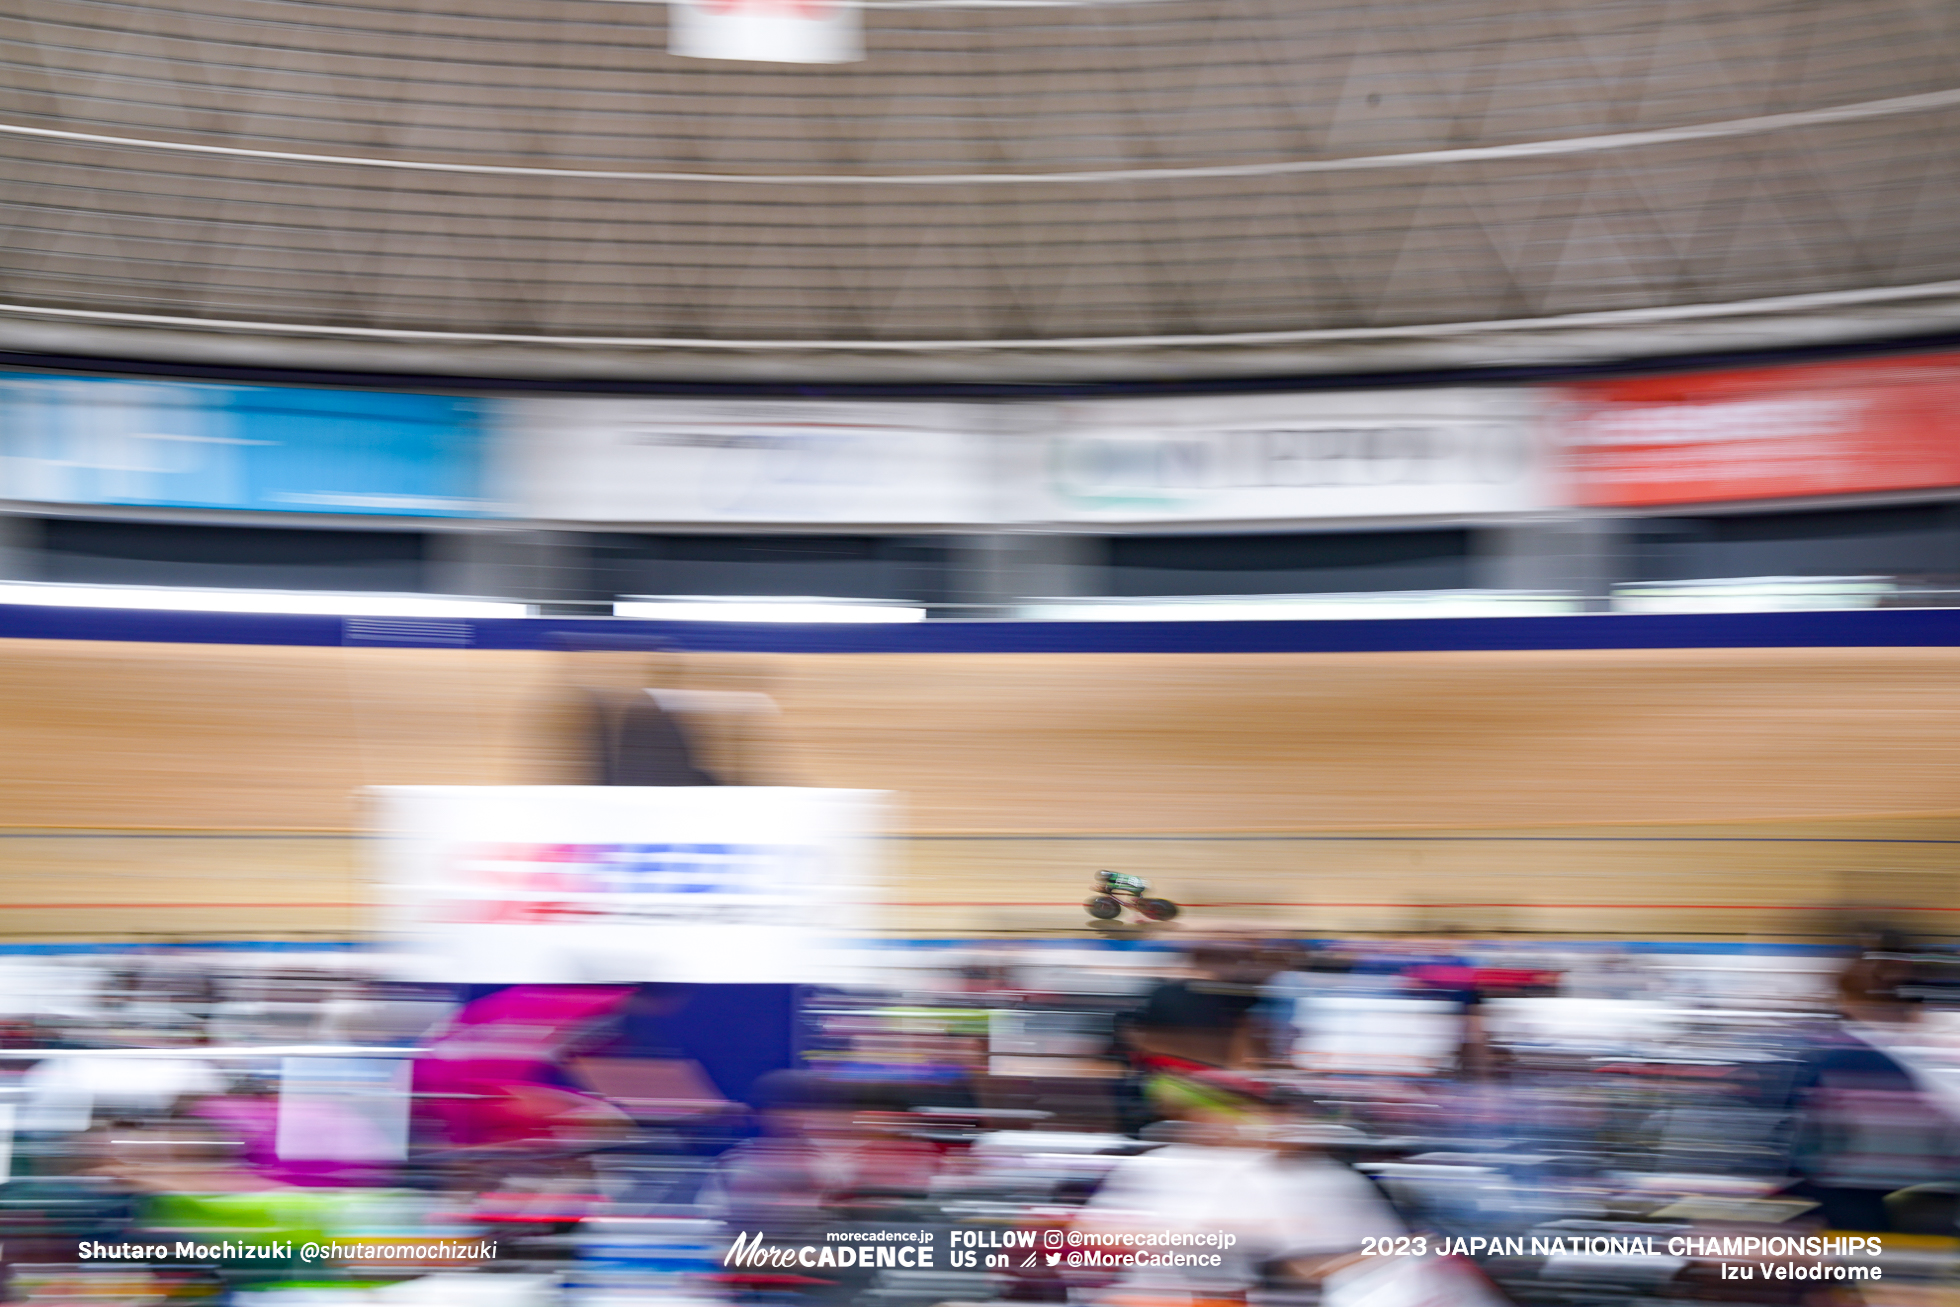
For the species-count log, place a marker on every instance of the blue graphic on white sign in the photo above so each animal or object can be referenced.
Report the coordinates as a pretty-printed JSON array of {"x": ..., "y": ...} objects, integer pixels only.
[{"x": 87, "y": 440}]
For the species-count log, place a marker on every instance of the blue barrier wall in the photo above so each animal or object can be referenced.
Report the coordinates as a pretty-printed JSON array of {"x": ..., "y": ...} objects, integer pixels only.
[
  {"x": 96, "y": 440},
  {"x": 1842, "y": 629}
]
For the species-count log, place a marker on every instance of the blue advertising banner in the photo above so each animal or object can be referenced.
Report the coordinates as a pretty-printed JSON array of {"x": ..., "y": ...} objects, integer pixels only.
[{"x": 92, "y": 440}]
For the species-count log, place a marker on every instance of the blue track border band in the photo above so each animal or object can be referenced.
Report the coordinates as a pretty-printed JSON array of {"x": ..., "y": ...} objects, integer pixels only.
[{"x": 1849, "y": 629}]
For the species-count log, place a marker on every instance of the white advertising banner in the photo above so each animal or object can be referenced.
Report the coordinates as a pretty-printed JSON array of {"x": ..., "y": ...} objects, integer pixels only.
[
  {"x": 686, "y": 461},
  {"x": 1294, "y": 457},
  {"x": 766, "y": 31},
  {"x": 589, "y": 884}
]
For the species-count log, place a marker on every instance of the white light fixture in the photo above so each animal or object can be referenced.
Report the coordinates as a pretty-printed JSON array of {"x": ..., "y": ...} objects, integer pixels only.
[
  {"x": 692, "y": 608},
  {"x": 808, "y": 32},
  {"x": 1293, "y": 608},
  {"x": 252, "y": 601},
  {"x": 1752, "y": 594}
]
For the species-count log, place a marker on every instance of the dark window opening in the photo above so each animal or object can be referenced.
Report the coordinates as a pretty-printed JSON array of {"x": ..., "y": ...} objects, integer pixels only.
[
  {"x": 88, "y": 552},
  {"x": 1918, "y": 542},
  {"x": 1319, "y": 563},
  {"x": 909, "y": 568}
]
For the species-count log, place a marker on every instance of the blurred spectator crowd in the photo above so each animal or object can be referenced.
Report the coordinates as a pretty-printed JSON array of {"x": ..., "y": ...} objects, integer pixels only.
[{"x": 1389, "y": 1122}]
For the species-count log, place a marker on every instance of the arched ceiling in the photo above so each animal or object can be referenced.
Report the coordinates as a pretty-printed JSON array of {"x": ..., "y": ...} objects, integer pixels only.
[{"x": 1001, "y": 189}]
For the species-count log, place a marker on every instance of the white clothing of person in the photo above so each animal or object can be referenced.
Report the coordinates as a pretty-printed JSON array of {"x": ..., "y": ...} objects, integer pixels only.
[{"x": 1277, "y": 1206}]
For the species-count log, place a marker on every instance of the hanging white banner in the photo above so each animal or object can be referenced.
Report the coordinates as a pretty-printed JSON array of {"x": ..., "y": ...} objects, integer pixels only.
[
  {"x": 1294, "y": 457},
  {"x": 590, "y": 885},
  {"x": 1280, "y": 458},
  {"x": 766, "y": 31},
  {"x": 705, "y": 461}
]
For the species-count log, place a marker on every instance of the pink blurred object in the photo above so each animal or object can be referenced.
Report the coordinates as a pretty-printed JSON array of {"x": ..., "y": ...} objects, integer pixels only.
[
  {"x": 256, "y": 1121},
  {"x": 491, "y": 1076}
]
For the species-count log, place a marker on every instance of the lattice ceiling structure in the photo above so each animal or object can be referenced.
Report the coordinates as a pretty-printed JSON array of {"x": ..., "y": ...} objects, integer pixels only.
[{"x": 1001, "y": 189}]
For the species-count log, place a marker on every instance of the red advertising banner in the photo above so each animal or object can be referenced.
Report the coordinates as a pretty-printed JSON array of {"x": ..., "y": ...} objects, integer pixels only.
[{"x": 1764, "y": 433}]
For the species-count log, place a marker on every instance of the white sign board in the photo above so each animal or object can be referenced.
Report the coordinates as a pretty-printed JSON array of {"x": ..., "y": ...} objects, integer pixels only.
[
  {"x": 1294, "y": 457},
  {"x": 599, "y": 460},
  {"x": 765, "y": 31},
  {"x": 349, "y": 1109},
  {"x": 591, "y": 884}
]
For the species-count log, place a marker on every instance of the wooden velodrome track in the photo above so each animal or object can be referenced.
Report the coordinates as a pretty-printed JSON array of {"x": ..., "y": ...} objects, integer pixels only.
[{"x": 180, "y": 791}]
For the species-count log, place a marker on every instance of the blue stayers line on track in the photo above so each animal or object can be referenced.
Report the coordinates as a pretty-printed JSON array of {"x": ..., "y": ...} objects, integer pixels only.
[
  {"x": 1112, "y": 838},
  {"x": 217, "y": 945},
  {"x": 1717, "y": 948},
  {"x": 1874, "y": 628},
  {"x": 177, "y": 835},
  {"x": 1706, "y": 947},
  {"x": 1422, "y": 839}
]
